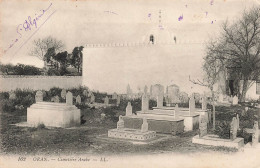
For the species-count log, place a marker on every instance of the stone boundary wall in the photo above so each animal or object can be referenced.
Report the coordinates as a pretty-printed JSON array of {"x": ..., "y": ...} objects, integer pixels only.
[{"x": 13, "y": 82}]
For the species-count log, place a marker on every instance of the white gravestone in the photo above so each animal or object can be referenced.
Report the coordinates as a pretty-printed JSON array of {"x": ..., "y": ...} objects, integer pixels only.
[
  {"x": 56, "y": 99},
  {"x": 92, "y": 98},
  {"x": 78, "y": 99},
  {"x": 129, "y": 110},
  {"x": 63, "y": 94},
  {"x": 144, "y": 125},
  {"x": 238, "y": 122},
  {"x": 106, "y": 101},
  {"x": 145, "y": 102},
  {"x": 255, "y": 136},
  {"x": 233, "y": 128},
  {"x": 204, "y": 103},
  {"x": 120, "y": 123},
  {"x": 192, "y": 105},
  {"x": 160, "y": 100},
  {"x": 69, "y": 98},
  {"x": 235, "y": 100},
  {"x": 176, "y": 111},
  {"x": 203, "y": 127},
  {"x": 39, "y": 96},
  {"x": 118, "y": 100}
]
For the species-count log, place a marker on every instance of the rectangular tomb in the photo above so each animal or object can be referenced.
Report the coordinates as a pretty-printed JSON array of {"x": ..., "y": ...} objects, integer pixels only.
[
  {"x": 53, "y": 114},
  {"x": 133, "y": 134},
  {"x": 168, "y": 126}
]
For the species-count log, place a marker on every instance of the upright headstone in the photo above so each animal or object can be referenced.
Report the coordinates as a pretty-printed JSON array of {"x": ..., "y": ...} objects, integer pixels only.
[
  {"x": 120, "y": 123},
  {"x": 63, "y": 94},
  {"x": 176, "y": 111},
  {"x": 85, "y": 93},
  {"x": 92, "y": 98},
  {"x": 114, "y": 96},
  {"x": 238, "y": 122},
  {"x": 145, "y": 102},
  {"x": 233, "y": 128},
  {"x": 69, "y": 98},
  {"x": 12, "y": 95},
  {"x": 56, "y": 99},
  {"x": 255, "y": 136},
  {"x": 145, "y": 89},
  {"x": 160, "y": 100},
  {"x": 144, "y": 127},
  {"x": 204, "y": 103},
  {"x": 235, "y": 100},
  {"x": 78, "y": 99},
  {"x": 192, "y": 105},
  {"x": 106, "y": 101},
  {"x": 118, "y": 100},
  {"x": 203, "y": 127},
  {"x": 129, "y": 110},
  {"x": 38, "y": 96}
]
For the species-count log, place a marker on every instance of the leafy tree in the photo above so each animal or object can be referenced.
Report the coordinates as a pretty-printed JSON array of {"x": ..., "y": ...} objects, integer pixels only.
[
  {"x": 76, "y": 59},
  {"x": 238, "y": 48}
]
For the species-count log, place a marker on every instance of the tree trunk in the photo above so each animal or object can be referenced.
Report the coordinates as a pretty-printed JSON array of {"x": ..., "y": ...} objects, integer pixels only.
[
  {"x": 244, "y": 90},
  {"x": 214, "y": 109}
]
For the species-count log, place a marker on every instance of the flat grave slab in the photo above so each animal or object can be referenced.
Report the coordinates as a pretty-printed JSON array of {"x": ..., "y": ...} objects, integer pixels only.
[{"x": 214, "y": 140}]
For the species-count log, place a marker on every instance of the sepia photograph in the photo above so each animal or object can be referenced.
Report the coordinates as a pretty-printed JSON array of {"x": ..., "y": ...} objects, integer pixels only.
[{"x": 129, "y": 83}]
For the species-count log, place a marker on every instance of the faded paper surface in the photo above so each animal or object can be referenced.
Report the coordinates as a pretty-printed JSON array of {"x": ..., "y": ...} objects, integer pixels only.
[{"x": 188, "y": 24}]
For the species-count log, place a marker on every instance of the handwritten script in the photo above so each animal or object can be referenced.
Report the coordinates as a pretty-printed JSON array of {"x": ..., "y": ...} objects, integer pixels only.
[{"x": 31, "y": 23}]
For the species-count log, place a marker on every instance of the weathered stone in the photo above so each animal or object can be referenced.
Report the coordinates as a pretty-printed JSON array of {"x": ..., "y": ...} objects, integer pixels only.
[
  {"x": 204, "y": 103},
  {"x": 56, "y": 99},
  {"x": 85, "y": 93},
  {"x": 173, "y": 94},
  {"x": 145, "y": 102},
  {"x": 255, "y": 136},
  {"x": 156, "y": 90},
  {"x": 39, "y": 96},
  {"x": 238, "y": 122},
  {"x": 69, "y": 98},
  {"x": 106, "y": 101},
  {"x": 235, "y": 100},
  {"x": 192, "y": 105},
  {"x": 160, "y": 100},
  {"x": 233, "y": 128},
  {"x": 120, "y": 123},
  {"x": 118, "y": 100},
  {"x": 129, "y": 110},
  {"x": 114, "y": 96},
  {"x": 144, "y": 127},
  {"x": 176, "y": 111},
  {"x": 78, "y": 99},
  {"x": 63, "y": 94},
  {"x": 92, "y": 98},
  {"x": 145, "y": 89},
  {"x": 184, "y": 97},
  {"x": 203, "y": 127}
]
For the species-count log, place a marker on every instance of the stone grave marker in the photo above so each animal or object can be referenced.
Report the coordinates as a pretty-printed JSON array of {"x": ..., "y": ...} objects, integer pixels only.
[
  {"x": 176, "y": 111},
  {"x": 120, "y": 123},
  {"x": 145, "y": 89},
  {"x": 144, "y": 127},
  {"x": 85, "y": 93},
  {"x": 114, "y": 96},
  {"x": 12, "y": 95},
  {"x": 160, "y": 100},
  {"x": 203, "y": 127},
  {"x": 39, "y": 96},
  {"x": 92, "y": 98},
  {"x": 233, "y": 128},
  {"x": 238, "y": 122},
  {"x": 63, "y": 94},
  {"x": 118, "y": 100},
  {"x": 56, "y": 99},
  {"x": 106, "y": 101},
  {"x": 78, "y": 99},
  {"x": 129, "y": 110},
  {"x": 204, "y": 103},
  {"x": 69, "y": 98},
  {"x": 255, "y": 136},
  {"x": 145, "y": 102},
  {"x": 235, "y": 100},
  {"x": 192, "y": 105}
]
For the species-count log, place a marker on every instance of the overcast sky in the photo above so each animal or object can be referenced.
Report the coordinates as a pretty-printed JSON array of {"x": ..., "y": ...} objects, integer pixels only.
[{"x": 112, "y": 21}]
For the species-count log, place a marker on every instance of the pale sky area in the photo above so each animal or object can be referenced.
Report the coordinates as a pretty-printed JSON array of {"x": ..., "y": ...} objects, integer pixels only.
[{"x": 79, "y": 23}]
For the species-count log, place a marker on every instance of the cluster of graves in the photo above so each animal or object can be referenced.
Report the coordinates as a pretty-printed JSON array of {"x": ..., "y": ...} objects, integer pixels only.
[{"x": 145, "y": 124}]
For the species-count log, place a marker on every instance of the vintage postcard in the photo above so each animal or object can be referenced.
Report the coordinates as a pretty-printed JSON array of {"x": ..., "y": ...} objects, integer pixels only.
[{"x": 122, "y": 83}]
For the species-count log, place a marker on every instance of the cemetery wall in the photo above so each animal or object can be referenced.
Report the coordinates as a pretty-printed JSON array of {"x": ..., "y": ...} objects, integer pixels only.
[{"x": 12, "y": 82}]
